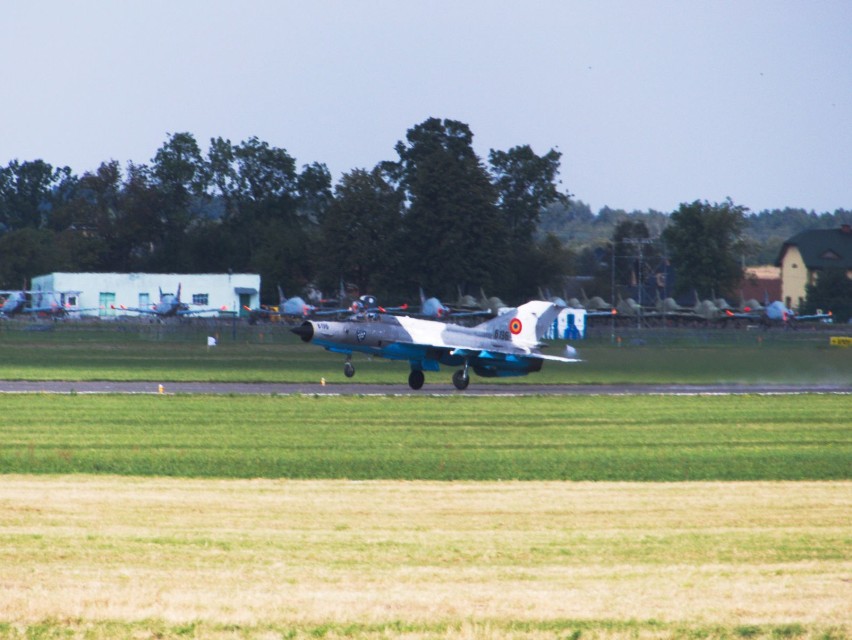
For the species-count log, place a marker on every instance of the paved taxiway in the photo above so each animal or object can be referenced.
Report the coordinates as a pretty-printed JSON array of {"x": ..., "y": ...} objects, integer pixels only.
[{"x": 354, "y": 388}]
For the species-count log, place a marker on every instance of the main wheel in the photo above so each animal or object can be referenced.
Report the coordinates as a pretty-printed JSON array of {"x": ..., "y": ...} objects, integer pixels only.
[
  {"x": 348, "y": 369},
  {"x": 460, "y": 380},
  {"x": 416, "y": 379}
]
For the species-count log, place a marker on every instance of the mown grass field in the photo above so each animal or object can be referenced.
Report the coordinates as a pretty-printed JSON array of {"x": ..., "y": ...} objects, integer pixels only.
[
  {"x": 421, "y": 517},
  {"x": 627, "y": 438},
  {"x": 116, "y": 557}
]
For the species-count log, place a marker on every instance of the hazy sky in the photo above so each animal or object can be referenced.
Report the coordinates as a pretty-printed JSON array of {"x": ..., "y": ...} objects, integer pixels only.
[{"x": 652, "y": 103}]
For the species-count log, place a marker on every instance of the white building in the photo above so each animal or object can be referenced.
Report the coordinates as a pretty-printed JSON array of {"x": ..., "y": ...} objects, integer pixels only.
[{"x": 103, "y": 294}]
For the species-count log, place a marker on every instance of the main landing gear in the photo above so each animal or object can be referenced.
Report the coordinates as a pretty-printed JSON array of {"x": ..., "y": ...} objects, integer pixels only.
[
  {"x": 416, "y": 379},
  {"x": 461, "y": 379}
]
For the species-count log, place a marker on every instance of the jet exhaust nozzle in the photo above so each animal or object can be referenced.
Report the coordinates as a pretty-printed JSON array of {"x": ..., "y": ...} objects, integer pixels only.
[{"x": 305, "y": 331}]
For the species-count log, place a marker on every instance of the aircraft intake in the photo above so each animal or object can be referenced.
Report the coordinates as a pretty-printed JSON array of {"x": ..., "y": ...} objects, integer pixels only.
[{"x": 305, "y": 331}]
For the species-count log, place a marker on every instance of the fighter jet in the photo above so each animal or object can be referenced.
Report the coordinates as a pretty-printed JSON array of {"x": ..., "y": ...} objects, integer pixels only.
[
  {"x": 16, "y": 303},
  {"x": 434, "y": 309},
  {"x": 169, "y": 306},
  {"x": 778, "y": 314},
  {"x": 494, "y": 305},
  {"x": 465, "y": 301},
  {"x": 295, "y": 307},
  {"x": 507, "y": 345}
]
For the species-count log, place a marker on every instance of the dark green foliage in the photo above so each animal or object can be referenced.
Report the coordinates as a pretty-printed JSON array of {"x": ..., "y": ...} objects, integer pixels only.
[
  {"x": 454, "y": 232},
  {"x": 832, "y": 292},
  {"x": 526, "y": 184},
  {"x": 704, "y": 243},
  {"x": 361, "y": 234},
  {"x": 248, "y": 207}
]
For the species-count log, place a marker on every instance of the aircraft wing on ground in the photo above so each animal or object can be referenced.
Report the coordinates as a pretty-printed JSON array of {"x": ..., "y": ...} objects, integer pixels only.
[
  {"x": 192, "y": 312},
  {"x": 56, "y": 309},
  {"x": 180, "y": 311},
  {"x": 149, "y": 310},
  {"x": 829, "y": 317}
]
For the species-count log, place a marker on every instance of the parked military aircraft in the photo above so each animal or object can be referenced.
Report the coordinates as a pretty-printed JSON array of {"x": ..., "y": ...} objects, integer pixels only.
[
  {"x": 435, "y": 309},
  {"x": 16, "y": 303},
  {"x": 778, "y": 314},
  {"x": 546, "y": 295},
  {"x": 494, "y": 305},
  {"x": 594, "y": 304},
  {"x": 169, "y": 306},
  {"x": 595, "y": 307},
  {"x": 508, "y": 345},
  {"x": 464, "y": 301},
  {"x": 295, "y": 307}
]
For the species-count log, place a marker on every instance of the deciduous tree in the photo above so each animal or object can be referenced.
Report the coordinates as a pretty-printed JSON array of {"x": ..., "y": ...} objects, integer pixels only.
[
  {"x": 361, "y": 232},
  {"x": 454, "y": 232},
  {"x": 704, "y": 242},
  {"x": 831, "y": 292}
]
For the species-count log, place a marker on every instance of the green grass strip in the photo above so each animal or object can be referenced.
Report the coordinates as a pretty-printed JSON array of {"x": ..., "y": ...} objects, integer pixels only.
[
  {"x": 538, "y": 629},
  {"x": 626, "y": 438}
]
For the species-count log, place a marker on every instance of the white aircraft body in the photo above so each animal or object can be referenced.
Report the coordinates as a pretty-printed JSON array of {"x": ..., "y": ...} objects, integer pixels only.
[{"x": 508, "y": 345}]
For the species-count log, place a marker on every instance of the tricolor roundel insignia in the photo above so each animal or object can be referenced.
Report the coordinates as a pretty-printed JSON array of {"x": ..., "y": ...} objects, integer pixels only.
[{"x": 515, "y": 326}]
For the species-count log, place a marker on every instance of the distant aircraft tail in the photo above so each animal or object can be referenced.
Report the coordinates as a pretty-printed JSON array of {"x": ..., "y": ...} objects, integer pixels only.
[{"x": 525, "y": 325}]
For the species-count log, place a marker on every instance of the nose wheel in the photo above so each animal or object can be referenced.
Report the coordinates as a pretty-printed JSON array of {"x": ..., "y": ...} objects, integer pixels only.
[
  {"x": 348, "y": 369},
  {"x": 461, "y": 379}
]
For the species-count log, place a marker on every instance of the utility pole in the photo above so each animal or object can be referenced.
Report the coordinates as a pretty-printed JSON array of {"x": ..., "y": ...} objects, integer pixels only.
[
  {"x": 612, "y": 294},
  {"x": 640, "y": 284}
]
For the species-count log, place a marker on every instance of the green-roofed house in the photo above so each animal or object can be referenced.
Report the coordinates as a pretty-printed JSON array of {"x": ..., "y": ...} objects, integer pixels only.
[{"x": 807, "y": 253}]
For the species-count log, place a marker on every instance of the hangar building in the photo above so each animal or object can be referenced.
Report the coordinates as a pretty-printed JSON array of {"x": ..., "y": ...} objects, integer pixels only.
[{"x": 97, "y": 293}]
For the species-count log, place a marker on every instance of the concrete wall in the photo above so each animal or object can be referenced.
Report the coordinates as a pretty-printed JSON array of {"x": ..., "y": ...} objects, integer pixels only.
[
  {"x": 794, "y": 277},
  {"x": 94, "y": 293}
]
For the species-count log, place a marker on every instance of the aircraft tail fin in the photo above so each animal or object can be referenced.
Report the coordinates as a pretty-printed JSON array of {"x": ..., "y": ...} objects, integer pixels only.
[{"x": 526, "y": 324}]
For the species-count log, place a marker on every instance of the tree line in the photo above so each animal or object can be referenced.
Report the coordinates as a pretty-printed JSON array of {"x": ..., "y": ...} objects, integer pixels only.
[{"x": 436, "y": 216}]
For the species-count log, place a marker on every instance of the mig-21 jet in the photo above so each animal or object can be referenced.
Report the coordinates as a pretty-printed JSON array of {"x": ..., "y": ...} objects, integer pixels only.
[{"x": 508, "y": 345}]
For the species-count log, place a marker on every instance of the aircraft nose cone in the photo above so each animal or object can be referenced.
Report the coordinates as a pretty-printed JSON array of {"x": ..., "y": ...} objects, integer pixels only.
[{"x": 305, "y": 331}]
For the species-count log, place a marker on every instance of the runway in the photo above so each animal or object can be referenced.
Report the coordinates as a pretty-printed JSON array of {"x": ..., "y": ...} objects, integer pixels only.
[{"x": 355, "y": 389}]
